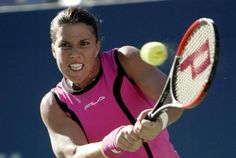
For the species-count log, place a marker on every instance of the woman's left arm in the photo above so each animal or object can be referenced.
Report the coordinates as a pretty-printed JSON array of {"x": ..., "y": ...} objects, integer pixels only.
[{"x": 148, "y": 78}]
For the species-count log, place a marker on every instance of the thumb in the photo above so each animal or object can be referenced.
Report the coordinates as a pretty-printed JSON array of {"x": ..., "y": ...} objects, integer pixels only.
[{"x": 143, "y": 114}]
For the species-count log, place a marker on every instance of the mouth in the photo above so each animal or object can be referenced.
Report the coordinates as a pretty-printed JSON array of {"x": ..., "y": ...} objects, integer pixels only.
[{"x": 76, "y": 67}]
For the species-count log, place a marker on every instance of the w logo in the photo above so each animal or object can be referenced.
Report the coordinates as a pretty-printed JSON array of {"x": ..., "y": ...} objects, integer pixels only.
[{"x": 195, "y": 62}]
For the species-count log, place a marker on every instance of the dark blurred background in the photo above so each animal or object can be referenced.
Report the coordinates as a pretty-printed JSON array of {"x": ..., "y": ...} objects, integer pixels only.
[{"x": 28, "y": 69}]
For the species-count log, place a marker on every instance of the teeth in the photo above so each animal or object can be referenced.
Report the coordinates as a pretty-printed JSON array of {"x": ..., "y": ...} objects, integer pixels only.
[{"x": 76, "y": 66}]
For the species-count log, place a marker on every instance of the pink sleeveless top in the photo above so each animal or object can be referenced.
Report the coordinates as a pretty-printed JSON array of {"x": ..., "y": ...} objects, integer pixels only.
[{"x": 109, "y": 102}]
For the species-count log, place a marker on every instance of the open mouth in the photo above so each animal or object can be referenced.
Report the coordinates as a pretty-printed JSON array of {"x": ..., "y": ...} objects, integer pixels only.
[{"x": 76, "y": 67}]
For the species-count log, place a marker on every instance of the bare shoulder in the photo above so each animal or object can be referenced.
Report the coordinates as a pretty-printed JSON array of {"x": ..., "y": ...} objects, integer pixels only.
[
  {"x": 128, "y": 50},
  {"x": 129, "y": 57},
  {"x": 50, "y": 111},
  {"x": 63, "y": 131},
  {"x": 47, "y": 104},
  {"x": 148, "y": 78}
]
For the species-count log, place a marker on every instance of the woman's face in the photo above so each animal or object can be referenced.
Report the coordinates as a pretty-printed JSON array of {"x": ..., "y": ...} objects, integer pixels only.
[{"x": 76, "y": 51}]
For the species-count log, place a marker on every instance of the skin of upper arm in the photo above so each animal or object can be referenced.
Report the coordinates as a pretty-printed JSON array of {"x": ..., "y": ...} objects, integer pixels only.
[
  {"x": 64, "y": 133},
  {"x": 148, "y": 78}
]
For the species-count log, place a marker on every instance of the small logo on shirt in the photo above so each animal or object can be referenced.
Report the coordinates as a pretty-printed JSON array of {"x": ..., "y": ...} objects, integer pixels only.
[{"x": 91, "y": 104}]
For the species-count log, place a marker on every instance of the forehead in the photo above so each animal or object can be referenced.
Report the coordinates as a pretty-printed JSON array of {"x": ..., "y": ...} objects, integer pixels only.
[{"x": 74, "y": 31}]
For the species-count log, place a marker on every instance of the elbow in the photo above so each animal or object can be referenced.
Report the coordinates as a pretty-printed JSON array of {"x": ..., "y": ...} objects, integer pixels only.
[
  {"x": 59, "y": 154},
  {"x": 175, "y": 114},
  {"x": 65, "y": 153}
]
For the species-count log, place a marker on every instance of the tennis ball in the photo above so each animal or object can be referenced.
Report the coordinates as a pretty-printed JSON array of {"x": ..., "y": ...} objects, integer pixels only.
[{"x": 154, "y": 53}]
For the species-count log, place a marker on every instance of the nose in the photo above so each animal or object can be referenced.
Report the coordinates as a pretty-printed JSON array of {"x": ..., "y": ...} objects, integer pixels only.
[{"x": 75, "y": 53}]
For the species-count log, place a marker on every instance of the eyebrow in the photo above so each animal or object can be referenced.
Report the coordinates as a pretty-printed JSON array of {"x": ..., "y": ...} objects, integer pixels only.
[
  {"x": 63, "y": 41},
  {"x": 87, "y": 38}
]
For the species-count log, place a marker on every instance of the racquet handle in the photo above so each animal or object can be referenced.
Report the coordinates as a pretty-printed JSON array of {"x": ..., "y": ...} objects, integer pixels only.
[
  {"x": 148, "y": 117},
  {"x": 153, "y": 116}
]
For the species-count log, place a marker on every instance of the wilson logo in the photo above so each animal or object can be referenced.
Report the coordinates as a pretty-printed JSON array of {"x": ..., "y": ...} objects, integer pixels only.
[
  {"x": 191, "y": 59},
  {"x": 91, "y": 104}
]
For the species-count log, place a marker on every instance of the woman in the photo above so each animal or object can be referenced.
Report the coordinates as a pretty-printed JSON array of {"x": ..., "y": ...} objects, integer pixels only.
[{"x": 98, "y": 108}]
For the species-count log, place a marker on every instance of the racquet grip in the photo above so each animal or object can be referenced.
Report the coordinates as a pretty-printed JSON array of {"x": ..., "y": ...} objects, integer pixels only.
[
  {"x": 153, "y": 116},
  {"x": 150, "y": 118}
]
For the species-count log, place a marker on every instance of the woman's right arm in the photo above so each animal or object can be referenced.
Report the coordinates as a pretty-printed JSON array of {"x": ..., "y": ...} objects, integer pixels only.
[{"x": 68, "y": 139}]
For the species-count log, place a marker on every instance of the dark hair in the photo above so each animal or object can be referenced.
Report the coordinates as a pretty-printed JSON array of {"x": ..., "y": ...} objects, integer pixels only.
[{"x": 73, "y": 15}]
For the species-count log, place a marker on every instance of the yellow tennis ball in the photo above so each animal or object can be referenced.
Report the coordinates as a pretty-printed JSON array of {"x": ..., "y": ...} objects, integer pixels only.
[{"x": 154, "y": 53}]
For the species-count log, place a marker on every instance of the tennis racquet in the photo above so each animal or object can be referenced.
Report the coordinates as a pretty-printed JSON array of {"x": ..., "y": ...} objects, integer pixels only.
[{"x": 193, "y": 68}]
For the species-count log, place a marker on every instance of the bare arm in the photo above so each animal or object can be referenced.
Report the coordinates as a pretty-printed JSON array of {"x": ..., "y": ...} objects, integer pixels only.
[
  {"x": 68, "y": 139},
  {"x": 148, "y": 78}
]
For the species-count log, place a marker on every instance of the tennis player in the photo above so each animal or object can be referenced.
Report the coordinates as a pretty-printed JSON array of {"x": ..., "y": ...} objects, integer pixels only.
[{"x": 98, "y": 108}]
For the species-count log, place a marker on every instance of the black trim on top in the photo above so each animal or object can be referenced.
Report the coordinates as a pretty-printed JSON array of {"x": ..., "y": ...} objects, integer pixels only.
[
  {"x": 65, "y": 109},
  {"x": 117, "y": 89},
  {"x": 70, "y": 89},
  {"x": 117, "y": 95},
  {"x": 119, "y": 66}
]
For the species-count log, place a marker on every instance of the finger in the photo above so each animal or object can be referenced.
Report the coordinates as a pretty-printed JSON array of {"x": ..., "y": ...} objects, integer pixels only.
[
  {"x": 133, "y": 137},
  {"x": 147, "y": 130},
  {"x": 140, "y": 130},
  {"x": 137, "y": 127},
  {"x": 143, "y": 126},
  {"x": 128, "y": 135},
  {"x": 143, "y": 114},
  {"x": 149, "y": 124},
  {"x": 128, "y": 146}
]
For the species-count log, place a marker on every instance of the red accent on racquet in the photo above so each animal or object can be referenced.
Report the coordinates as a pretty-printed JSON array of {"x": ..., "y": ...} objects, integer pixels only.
[{"x": 193, "y": 68}]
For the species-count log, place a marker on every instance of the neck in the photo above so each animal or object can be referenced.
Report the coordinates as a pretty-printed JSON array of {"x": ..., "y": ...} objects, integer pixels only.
[
  {"x": 77, "y": 87},
  {"x": 80, "y": 87}
]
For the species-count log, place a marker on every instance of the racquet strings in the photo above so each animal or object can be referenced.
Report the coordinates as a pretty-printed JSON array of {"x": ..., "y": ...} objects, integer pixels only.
[{"x": 195, "y": 64}]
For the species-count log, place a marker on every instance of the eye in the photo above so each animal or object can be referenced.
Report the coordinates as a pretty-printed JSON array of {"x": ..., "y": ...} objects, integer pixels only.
[
  {"x": 84, "y": 43},
  {"x": 64, "y": 45}
]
